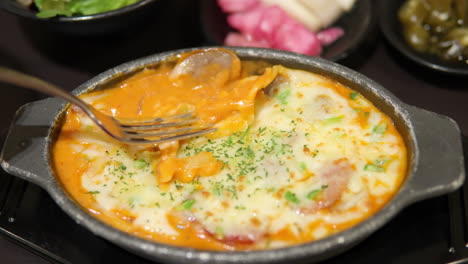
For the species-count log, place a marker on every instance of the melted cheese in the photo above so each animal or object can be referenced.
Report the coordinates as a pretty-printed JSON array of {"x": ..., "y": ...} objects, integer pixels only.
[{"x": 308, "y": 160}]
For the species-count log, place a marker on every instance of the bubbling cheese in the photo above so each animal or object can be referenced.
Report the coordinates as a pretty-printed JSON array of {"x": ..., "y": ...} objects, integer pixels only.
[{"x": 302, "y": 159}]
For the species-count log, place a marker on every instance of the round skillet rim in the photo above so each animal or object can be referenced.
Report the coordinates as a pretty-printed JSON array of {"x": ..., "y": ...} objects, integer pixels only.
[{"x": 312, "y": 251}]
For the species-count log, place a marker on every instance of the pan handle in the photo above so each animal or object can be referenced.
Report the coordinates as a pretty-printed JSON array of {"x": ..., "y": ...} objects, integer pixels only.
[
  {"x": 25, "y": 152},
  {"x": 439, "y": 155}
]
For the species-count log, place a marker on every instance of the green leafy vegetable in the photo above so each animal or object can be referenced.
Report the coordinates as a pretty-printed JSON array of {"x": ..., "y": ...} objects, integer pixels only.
[
  {"x": 290, "y": 196},
  {"x": 51, "y": 8},
  {"x": 52, "y": 12}
]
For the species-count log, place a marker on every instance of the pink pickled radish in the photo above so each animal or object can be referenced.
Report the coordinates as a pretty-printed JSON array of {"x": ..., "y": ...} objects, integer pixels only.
[
  {"x": 231, "y": 6},
  {"x": 330, "y": 35},
  {"x": 292, "y": 36},
  {"x": 246, "y": 22}
]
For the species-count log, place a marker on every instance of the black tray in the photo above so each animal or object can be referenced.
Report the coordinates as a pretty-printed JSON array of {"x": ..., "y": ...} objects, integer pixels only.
[{"x": 432, "y": 231}]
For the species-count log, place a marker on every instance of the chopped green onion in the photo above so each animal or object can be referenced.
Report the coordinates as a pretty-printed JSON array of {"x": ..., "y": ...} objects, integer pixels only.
[
  {"x": 93, "y": 192},
  {"x": 313, "y": 194},
  {"x": 250, "y": 153},
  {"x": 230, "y": 177},
  {"x": 187, "y": 204},
  {"x": 218, "y": 188},
  {"x": 380, "y": 129},
  {"x": 303, "y": 166},
  {"x": 245, "y": 133},
  {"x": 315, "y": 153},
  {"x": 283, "y": 95},
  {"x": 353, "y": 95},
  {"x": 239, "y": 207},
  {"x": 219, "y": 232},
  {"x": 290, "y": 196},
  {"x": 373, "y": 168},
  {"x": 140, "y": 164},
  {"x": 381, "y": 162},
  {"x": 332, "y": 120}
]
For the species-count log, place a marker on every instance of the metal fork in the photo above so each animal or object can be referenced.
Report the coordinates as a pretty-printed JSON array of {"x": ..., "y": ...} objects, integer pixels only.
[{"x": 158, "y": 130}]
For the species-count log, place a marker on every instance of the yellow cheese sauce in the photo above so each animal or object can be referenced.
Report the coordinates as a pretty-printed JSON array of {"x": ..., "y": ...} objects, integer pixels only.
[{"x": 296, "y": 157}]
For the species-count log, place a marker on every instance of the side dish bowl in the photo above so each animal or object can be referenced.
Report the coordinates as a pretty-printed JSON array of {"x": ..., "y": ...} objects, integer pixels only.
[
  {"x": 357, "y": 24},
  {"x": 27, "y": 154},
  {"x": 393, "y": 32},
  {"x": 97, "y": 24}
]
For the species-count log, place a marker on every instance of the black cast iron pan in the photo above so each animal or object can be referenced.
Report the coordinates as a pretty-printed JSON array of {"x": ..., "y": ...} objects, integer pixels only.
[{"x": 434, "y": 144}]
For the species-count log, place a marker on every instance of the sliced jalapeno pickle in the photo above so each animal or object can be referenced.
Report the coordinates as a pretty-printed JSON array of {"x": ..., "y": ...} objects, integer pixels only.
[{"x": 438, "y": 27}]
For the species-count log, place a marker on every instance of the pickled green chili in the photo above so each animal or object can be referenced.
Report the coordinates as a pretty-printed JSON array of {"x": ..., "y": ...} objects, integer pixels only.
[{"x": 438, "y": 27}]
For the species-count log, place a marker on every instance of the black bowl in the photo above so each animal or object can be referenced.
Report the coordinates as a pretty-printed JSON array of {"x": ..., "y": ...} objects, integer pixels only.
[
  {"x": 357, "y": 24},
  {"x": 392, "y": 29},
  {"x": 99, "y": 24}
]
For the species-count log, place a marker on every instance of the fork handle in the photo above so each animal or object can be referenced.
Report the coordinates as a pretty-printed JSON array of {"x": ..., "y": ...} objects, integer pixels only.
[{"x": 27, "y": 81}]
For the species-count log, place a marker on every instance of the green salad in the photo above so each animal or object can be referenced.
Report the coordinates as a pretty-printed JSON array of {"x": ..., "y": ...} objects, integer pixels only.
[{"x": 51, "y": 8}]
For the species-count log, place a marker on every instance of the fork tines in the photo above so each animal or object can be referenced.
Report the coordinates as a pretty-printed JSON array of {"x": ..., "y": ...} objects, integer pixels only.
[
  {"x": 160, "y": 120},
  {"x": 168, "y": 128},
  {"x": 189, "y": 130},
  {"x": 148, "y": 126}
]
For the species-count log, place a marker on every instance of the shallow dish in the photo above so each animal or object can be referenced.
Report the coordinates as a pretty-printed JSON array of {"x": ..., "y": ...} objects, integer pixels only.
[
  {"x": 357, "y": 23},
  {"x": 26, "y": 154},
  {"x": 102, "y": 23},
  {"x": 392, "y": 30}
]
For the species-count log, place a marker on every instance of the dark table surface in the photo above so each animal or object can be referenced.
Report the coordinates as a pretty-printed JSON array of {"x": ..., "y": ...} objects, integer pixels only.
[{"x": 69, "y": 61}]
